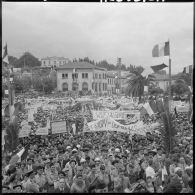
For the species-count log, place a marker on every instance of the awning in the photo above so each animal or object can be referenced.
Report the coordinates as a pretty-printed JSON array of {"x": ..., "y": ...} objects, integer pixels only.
[{"x": 158, "y": 67}]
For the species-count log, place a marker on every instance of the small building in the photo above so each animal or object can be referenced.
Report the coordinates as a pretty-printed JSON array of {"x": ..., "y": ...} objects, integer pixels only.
[
  {"x": 81, "y": 76},
  {"x": 54, "y": 61},
  {"x": 113, "y": 81},
  {"x": 161, "y": 81}
]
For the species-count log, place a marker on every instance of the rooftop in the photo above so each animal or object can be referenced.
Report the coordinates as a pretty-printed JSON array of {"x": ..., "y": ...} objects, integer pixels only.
[
  {"x": 112, "y": 74},
  {"x": 54, "y": 58},
  {"x": 79, "y": 65}
]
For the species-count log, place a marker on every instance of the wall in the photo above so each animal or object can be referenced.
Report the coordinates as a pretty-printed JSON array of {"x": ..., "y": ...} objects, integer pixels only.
[{"x": 80, "y": 80}]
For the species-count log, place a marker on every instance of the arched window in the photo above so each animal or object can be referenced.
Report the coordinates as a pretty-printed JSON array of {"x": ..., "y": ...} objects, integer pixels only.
[
  {"x": 75, "y": 86},
  {"x": 85, "y": 86},
  {"x": 65, "y": 87}
]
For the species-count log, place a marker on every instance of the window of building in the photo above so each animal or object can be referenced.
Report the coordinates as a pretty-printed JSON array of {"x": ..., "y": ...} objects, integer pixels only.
[
  {"x": 105, "y": 86},
  {"x": 99, "y": 86},
  {"x": 75, "y": 86},
  {"x": 44, "y": 62},
  {"x": 75, "y": 76},
  {"x": 99, "y": 76},
  {"x": 95, "y": 86},
  {"x": 60, "y": 62},
  {"x": 85, "y": 75},
  {"x": 85, "y": 86},
  {"x": 65, "y": 87},
  {"x": 54, "y": 62}
]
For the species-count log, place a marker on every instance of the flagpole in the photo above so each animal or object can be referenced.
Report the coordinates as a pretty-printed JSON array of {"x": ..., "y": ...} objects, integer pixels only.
[{"x": 169, "y": 79}]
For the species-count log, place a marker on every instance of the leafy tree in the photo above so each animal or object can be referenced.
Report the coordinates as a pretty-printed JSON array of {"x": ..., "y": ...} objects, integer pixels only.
[
  {"x": 155, "y": 90},
  {"x": 44, "y": 84},
  {"x": 13, "y": 61},
  {"x": 180, "y": 87},
  {"x": 18, "y": 85},
  {"x": 133, "y": 69},
  {"x": 37, "y": 84},
  {"x": 27, "y": 60},
  {"x": 185, "y": 77},
  {"x": 22, "y": 84}
]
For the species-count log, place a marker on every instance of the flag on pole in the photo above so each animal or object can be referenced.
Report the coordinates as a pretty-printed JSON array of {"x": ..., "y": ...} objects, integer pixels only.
[
  {"x": 148, "y": 108},
  {"x": 161, "y": 49},
  {"x": 19, "y": 156},
  {"x": 5, "y": 55}
]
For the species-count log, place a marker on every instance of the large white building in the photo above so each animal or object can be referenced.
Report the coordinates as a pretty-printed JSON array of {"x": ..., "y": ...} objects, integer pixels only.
[
  {"x": 78, "y": 76},
  {"x": 54, "y": 61}
]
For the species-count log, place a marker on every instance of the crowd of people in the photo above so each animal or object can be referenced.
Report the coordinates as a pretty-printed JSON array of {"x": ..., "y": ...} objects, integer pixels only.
[{"x": 102, "y": 162}]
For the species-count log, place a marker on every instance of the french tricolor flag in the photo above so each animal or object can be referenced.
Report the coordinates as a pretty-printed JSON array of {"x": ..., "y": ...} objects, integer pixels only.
[{"x": 161, "y": 49}]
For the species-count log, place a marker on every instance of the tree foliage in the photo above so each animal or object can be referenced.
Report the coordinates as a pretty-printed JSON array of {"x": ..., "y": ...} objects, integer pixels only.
[
  {"x": 22, "y": 84},
  {"x": 44, "y": 84},
  {"x": 136, "y": 82},
  {"x": 13, "y": 61},
  {"x": 27, "y": 60},
  {"x": 155, "y": 90},
  {"x": 180, "y": 87},
  {"x": 168, "y": 130}
]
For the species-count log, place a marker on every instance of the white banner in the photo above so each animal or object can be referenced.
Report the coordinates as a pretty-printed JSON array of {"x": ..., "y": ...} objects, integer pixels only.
[
  {"x": 109, "y": 124},
  {"x": 58, "y": 127},
  {"x": 184, "y": 108},
  {"x": 131, "y": 116},
  {"x": 24, "y": 132},
  {"x": 42, "y": 131}
]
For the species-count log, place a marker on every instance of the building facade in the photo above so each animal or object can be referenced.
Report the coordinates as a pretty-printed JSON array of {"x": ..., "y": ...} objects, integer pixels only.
[
  {"x": 162, "y": 81},
  {"x": 54, "y": 61},
  {"x": 113, "y": 82},
  {"x": 81, "y": 76}
]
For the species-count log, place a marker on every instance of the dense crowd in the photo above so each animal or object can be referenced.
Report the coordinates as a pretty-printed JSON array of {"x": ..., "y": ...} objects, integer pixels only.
[
  {"x": 103, "y": 162},
  {"x": 100, "y": 162}
]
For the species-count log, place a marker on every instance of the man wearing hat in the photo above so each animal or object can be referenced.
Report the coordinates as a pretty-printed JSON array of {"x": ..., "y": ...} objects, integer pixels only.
[
  {"x": 17, "y": 189},
  {"x": 40, "y": 178},
  {"x": 97, "y": 164},
  {"x": 31, "y": 186},
  {"x": 176, "y": 183},
  {"x": 52, "y": 176},
  {"x": 62, "y": 187},
  {"x": 29, "y": 164},
  {"x": 86, "y": 169}
]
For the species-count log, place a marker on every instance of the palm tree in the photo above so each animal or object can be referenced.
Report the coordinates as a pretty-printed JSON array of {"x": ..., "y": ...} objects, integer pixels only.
[
  {"x": 136, "y": 81},
  {"x": 168, "y": 130}
]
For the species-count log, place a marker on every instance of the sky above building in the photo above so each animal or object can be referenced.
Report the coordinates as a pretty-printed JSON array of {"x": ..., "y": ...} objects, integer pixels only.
[{"x": 100, "y": 31}]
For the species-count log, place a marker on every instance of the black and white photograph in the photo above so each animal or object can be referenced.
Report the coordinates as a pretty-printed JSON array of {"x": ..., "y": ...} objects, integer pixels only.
[{"x": 97, "y": 97}]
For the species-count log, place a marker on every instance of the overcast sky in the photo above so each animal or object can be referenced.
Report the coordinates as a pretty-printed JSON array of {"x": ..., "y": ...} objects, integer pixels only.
[{"x": 100, "y": 31}]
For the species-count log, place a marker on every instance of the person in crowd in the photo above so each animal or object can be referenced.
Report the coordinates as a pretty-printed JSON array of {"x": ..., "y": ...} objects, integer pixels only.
[
  {"x": 40, "y": 178},
  {"x": 31, "y": 185}
]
